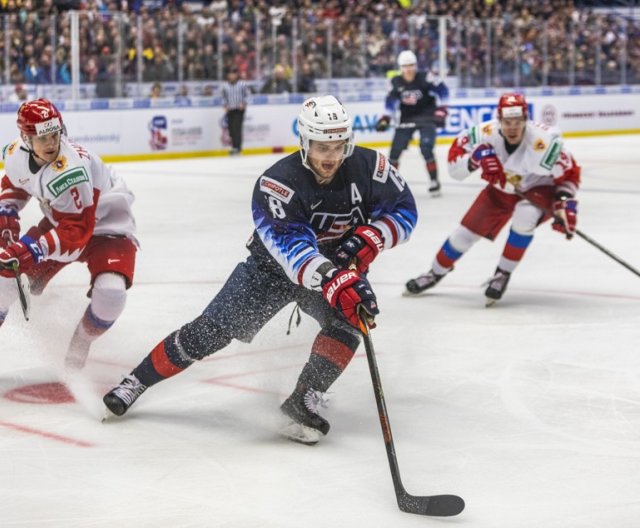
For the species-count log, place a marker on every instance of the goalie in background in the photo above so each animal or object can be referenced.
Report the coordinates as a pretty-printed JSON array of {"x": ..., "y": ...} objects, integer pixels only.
[
  {"x": 529, "y": 173},
  {"x": 422, "y": 97}
]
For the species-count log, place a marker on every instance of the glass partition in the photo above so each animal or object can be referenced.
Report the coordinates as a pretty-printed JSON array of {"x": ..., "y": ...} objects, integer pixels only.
[{"x": 276, "y": 49}]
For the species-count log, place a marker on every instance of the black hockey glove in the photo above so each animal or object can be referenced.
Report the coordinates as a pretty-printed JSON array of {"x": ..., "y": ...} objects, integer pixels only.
[
  {"x": 383, "y": 123},
  {"x": 440, "y": 116}
]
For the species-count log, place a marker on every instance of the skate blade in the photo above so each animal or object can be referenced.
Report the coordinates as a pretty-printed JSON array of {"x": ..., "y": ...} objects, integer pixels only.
[
  {"x": 435, "y": 194},
  {"x": 489, "y": 302},
  {"x": 300, "y": 433},
  {"x": 107, "y": 415},
  {"x": 407, "y": 293}
]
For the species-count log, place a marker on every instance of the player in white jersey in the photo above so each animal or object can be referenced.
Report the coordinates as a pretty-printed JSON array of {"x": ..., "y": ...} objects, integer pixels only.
[
  {"x": 530, "y": 173},
  {"x": 87, "y": 218}
]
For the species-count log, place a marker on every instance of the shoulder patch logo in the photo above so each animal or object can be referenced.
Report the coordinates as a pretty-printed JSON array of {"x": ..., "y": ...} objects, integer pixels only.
[
  {"x": 539, "y": 145},
  {"x": 60, "y": 164},
  {"x": 486, "y": 130},
  {"x": 276, "y": 189},
  {"x": 67, "y": 180},
  {"x": 11, "y": 148},
  {"x": 551, "y": 155},
  {"x": 385, "y": 170}
]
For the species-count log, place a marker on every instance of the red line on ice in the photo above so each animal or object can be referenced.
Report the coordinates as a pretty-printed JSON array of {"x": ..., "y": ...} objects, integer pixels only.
[{"x": 46, "y": 434}]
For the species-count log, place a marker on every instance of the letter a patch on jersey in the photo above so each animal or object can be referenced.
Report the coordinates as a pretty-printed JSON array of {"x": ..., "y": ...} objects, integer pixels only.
[{"x": 276, "y": 189}]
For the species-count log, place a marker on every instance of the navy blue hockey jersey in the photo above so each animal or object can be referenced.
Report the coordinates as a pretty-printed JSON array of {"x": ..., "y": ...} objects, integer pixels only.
[
  {"x": 299, "y": 222},
  {"x": 418, "y": 99}
]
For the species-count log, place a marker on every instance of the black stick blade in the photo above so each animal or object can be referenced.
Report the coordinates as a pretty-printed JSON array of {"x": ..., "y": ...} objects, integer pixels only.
[{"x": 435, "y": 505}]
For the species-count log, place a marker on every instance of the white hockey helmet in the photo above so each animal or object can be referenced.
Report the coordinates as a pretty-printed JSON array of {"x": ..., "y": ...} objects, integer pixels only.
[
  {"x": 324, "y": 119},
  {"x": 407, "y": 58}
]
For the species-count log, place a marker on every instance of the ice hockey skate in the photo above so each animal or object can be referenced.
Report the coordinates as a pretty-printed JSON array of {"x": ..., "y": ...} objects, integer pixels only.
[
  {"x": 121, "y": 397},
  {"x": 434, "y": 189},
  {"x": 303, "y": 424},
  {"x": 421, "y": 283},
  {"x": 496, "y": 286}
]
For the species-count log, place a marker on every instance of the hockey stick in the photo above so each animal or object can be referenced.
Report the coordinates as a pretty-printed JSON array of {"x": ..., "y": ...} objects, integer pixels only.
[
  {"x": 23, "y": 290},
  {"x": 372, "y": 128},
  {"x": 587, "y": 238},
  {"x": 436, "y": 505}
]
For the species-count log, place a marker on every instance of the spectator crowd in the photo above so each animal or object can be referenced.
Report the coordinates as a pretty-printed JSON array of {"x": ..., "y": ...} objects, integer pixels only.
[{"x": 287, "y": 45}]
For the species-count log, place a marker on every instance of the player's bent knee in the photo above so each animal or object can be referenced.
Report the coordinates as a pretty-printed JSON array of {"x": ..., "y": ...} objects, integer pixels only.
[
  {"x": 343, "y": 332},
  {"x": 202, "y": 337},
  {"x": 463, "y": 238},
  {"x": 108, "y": 296}
]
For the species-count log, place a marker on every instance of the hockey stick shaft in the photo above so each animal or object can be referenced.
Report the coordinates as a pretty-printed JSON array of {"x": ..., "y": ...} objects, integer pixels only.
[
  {"x": 436, "y": 505},
  {"x": 383, "y": 415},
  {"x": 23, "y": 293},
  {"x": 587, "y": 238},
  {"x": 372, "y": 128},
  {"x": 607, "y": 252}
]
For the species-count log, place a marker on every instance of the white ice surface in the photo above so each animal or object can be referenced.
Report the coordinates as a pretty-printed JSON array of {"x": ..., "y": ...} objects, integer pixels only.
[{"x": 530, "y": 410}]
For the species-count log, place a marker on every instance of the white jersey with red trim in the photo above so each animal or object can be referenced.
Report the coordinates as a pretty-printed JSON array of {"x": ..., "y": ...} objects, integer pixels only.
[
  {"x": 541, "y": 159},
  {"x": 78, "y": 194}
]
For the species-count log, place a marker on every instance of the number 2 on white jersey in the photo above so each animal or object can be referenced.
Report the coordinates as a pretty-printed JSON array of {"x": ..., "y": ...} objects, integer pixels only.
[{"x": 75, "y": 194}]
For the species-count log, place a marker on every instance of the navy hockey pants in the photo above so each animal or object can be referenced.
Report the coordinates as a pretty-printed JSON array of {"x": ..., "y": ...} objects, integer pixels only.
[
  {"x": 253, "y": 295},
  {"x": 403, "y": 136}
]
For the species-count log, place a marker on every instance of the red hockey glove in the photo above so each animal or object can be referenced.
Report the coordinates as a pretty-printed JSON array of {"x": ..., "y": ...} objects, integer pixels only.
[
  {"x": 345, "y": 291},
  {"x": 565, "y": 212},
  {"x": 26, "y": 253},
  {"x": 485, "y": 156},
  {"x": 360, "y": 248},
  {"x": 440, "y": 116},
  {"x": 383, "y": 123},
  {"x": 9, "y": 226}
]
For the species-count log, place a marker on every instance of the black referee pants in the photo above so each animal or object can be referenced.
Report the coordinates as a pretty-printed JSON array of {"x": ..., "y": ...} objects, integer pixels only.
[{"x": 235, "y": 118}]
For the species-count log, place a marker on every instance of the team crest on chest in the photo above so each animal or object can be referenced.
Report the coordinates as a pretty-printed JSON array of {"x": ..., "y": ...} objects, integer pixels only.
[
  {"x": 513, "y": 178},
  {"x": 411, "y": 97}
]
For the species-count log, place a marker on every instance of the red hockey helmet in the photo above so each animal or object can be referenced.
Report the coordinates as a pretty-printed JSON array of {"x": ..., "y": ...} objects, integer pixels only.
[
  {"x": 39, "y": 118},
  {"x": 512, "y": 105}
]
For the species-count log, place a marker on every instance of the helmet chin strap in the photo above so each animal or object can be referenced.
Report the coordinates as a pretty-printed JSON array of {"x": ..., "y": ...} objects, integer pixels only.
[{"x": 29, "y": 144}]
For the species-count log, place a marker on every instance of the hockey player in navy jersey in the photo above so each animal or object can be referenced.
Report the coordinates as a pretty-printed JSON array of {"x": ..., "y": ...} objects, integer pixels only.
[
  {"x": 321, "y": 216},
  {"x": 422, "y": 98}
]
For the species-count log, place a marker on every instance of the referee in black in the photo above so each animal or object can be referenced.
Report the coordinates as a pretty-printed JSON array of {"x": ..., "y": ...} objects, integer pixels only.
[{"x": 235, "y": 94}]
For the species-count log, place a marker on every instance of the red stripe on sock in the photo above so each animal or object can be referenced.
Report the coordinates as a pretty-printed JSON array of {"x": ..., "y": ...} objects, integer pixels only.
[
  {"x": 162, "y": 363},
  {"x": 513, "y": 253},
  {"x": 443, "y": 260},
  {"x": 338, "y": 353}
]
